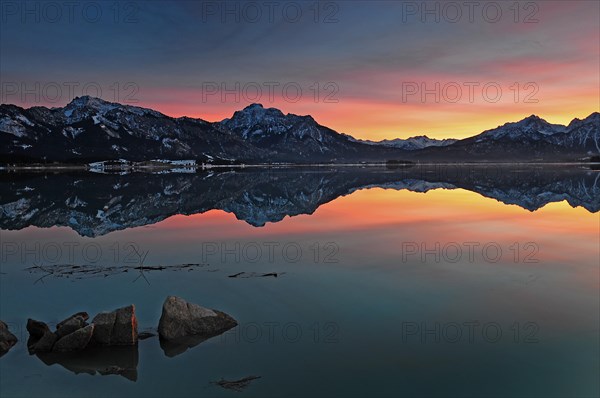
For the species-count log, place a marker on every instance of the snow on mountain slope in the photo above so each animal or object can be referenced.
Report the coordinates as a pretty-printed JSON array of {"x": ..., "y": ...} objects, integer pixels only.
[
  {"x": 90, "y": 129},
  {"x": 93, "y": 129},
  {"x": 412, "y": 143},
  {"x": 530, "y": 128}
]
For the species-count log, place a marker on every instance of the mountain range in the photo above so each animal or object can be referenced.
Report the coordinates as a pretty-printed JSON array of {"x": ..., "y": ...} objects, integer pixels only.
[
  {"x": 90, "y": 129},
  {"x": 412, "y": 143}
]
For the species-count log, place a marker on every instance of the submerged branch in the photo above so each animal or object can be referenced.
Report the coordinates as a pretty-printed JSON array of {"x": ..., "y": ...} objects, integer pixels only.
[
  {"x": 73, "y": 271},
  {"x": 236, "y": 385}
]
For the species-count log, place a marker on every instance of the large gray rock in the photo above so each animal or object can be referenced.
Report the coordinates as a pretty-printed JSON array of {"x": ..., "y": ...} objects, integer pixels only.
[
  {"x": 180, "y": 318},
  {"x": 7, "y": 339},
  {"x": 75, "y": 341},
  {"x": 118, "y": 327}
]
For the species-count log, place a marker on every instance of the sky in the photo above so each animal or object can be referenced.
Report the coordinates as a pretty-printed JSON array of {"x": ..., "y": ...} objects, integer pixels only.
[{"x": 375, "y": 70}]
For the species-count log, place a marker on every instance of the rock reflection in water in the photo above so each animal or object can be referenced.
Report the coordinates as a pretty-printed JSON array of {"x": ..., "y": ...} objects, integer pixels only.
[
  {"x": 172, "y": 348},
  {"x": 122, "y": 361}
]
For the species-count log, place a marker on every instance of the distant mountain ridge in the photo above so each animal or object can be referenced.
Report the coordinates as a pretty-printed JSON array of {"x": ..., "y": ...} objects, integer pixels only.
[
  {"x": 412, "y": 143},
  {"x": 90, "y": 129}
]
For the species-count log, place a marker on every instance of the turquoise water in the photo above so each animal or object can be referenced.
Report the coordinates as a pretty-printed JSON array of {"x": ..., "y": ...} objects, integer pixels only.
[{"x": 370, "y": 298}]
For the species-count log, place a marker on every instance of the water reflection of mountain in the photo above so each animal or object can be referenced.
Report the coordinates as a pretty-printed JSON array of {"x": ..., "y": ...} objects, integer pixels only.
[{"x": 96, "y": 204}]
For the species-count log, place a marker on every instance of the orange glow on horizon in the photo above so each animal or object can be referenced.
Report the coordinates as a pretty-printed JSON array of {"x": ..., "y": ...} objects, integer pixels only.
[{"x": 378, "y": 121}]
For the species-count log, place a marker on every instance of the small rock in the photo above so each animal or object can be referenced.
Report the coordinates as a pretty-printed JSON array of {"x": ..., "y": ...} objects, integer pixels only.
[
  {"x": 83, "y": 315},
  {"x": 125, "y": 331},
  {"x": 180, "y": 318},
  {"x": 118, "y": 327},
  {"x": 37, "y": 329},
  {"x": 104, "y": 321},
  {"x": 44, "y": 344},
  {"x": 75, "y": 341},
  {"x": 7, "y": 339},
  {"x": 70, "y": 325}
]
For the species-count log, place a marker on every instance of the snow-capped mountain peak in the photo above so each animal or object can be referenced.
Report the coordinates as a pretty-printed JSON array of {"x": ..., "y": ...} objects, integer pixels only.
[
  {"x": 531, "y": 128},
  {"x": 257, "y": 122},
  {"x": 594, "y": 118},
  {"x": 412, "y": 143},
  {"x": 87, "y": 105},
  {"x": 254, "y": 106},
  {"x": 535, "y": 123},
  {"x": 253, "y": 114},
  {"x": 92, "y": 102}
]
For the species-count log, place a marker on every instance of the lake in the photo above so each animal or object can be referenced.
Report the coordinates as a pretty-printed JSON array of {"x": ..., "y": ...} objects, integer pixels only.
[{"x": 346, "y": 281}]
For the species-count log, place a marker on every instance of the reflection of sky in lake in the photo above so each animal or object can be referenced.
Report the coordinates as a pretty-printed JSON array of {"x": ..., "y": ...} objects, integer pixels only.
[{"x": 371, "y": 294}]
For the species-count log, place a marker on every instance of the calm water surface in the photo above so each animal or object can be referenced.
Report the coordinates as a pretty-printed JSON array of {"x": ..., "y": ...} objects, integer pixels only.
[{"x": 390, "y": 282}]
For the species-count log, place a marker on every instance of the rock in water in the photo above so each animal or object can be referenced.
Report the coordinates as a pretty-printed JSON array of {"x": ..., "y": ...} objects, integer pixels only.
[
  {"x": 116, "y": 328},
  {"x": 7, "y": 339},
  {"x": 104, "y": 323},
  {"x": 180, "y": 318},
  {"x": 83, "y": 315},
  {"x": 70, "y": 325},
  {"x": 125, "y": 331},
  {"x": 36, "y": 329},
  {"x": 44, "y": 344},
  {"x": 75, "y": 341}
]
